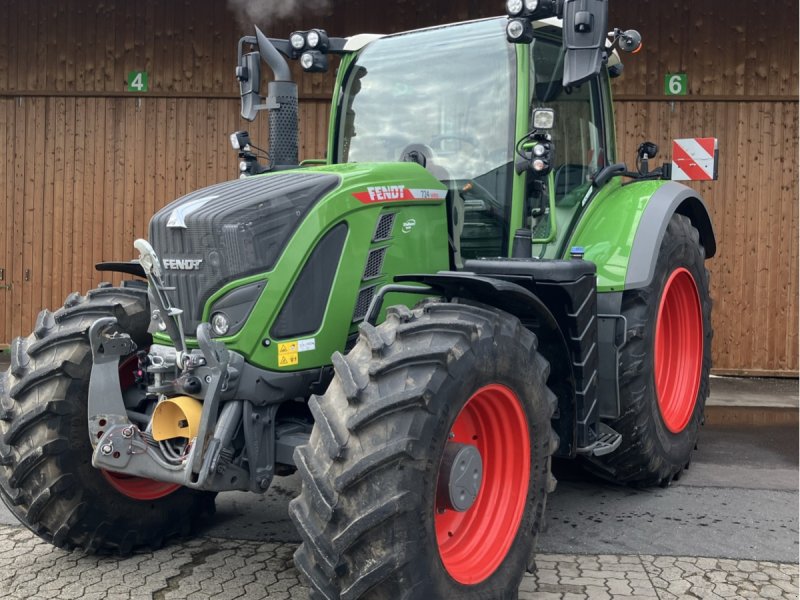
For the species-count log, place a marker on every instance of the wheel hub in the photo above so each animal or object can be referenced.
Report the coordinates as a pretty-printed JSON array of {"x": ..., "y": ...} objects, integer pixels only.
[{"x": 460, "y": 476}]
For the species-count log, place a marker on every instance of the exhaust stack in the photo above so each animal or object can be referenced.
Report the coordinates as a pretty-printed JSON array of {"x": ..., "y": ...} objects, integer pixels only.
[{"x": 281, "y": 100}]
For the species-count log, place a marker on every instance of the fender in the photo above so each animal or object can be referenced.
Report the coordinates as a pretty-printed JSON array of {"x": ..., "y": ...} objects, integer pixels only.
[
  {"x": 534, "y": 314},
  {"x": 670, "y": 198},
  {"x": 622, "y": 229}
]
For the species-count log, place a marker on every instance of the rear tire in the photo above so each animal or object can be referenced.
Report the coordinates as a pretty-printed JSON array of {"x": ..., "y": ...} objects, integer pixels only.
[
  {"x": 664, "y": 366},
  {"x": 369, "y": 511},
  {"x": 46, "y": 476}
]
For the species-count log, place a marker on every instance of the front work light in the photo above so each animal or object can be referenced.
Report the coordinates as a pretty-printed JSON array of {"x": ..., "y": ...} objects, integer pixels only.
[
  {"x": 531, "y": 5},
  {"x": 514, "y": 7},
  {"x": 314, "y": 61},
  {"x": 519, "y": 31},
  {"x": 297, "y": 40},
  {"x": 544, "y": 118},
  {"x": 317, "y": 39}
]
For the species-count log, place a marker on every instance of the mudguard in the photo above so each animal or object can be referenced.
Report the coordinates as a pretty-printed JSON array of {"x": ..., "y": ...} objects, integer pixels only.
[
  {"x": 621, "y": 233},
  {"x": 622, "y": 230}
]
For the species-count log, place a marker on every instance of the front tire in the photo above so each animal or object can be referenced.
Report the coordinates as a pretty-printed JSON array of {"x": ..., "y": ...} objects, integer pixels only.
[
  {"x": 46, "y": 476},
  {"x": 664, "y": 366},
  {"x": 372, "y": 521}
]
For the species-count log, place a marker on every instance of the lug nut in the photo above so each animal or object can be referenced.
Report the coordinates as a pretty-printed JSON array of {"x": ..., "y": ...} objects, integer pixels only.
[{"x": 106, "y": 449}]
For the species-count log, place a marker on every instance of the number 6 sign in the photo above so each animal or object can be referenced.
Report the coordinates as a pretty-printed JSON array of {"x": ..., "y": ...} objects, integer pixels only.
[{"x": 676, "y": 84}]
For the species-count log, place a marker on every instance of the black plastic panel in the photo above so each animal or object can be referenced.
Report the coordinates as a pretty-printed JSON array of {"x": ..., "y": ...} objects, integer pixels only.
[
  {"x": 304, "y": 309},
  {"x": 569, "y": 289},
  {"x": 235, "y": 229}
]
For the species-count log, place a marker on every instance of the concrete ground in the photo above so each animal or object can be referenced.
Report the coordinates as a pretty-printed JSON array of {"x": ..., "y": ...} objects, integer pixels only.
[{"x": 727, "y": 529}]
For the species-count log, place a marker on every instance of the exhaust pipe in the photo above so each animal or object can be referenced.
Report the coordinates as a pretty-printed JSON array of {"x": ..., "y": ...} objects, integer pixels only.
[
  {"x": 282, "y": 103},
  {"x": 281, "y": 100}
]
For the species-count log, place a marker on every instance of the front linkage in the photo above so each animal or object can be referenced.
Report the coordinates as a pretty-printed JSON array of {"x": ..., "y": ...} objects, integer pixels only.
[{"x": 190, "y": 439}]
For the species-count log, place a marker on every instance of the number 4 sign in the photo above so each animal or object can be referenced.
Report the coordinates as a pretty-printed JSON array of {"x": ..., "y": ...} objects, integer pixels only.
[
  {"x": 676, "y": 84},
  {"x": 137, "y": 81}
]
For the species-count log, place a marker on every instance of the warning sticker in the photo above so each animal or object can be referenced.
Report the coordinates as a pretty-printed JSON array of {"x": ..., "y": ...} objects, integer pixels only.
[
  {"x": 287, "y": 348},
  {"x": 287, "y": 354},
  {"x": 288, "y": 360}
]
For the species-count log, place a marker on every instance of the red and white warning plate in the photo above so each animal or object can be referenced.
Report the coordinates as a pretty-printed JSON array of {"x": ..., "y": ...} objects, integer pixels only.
[{"x": 695, "y": 159}]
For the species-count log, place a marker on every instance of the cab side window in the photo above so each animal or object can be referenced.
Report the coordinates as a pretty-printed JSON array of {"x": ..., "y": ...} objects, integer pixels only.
[{"x": 577, "y": 135}]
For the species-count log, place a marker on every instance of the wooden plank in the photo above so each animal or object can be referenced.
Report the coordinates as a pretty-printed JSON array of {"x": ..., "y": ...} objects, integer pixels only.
[
  {"x": 28, "y": 200},
  {"x": 5, "y": 41},
  {"x": 20, "y": 287},
  {"x": 151, "y": 127},
  {"x": 86, "y": 273},
  {"x": 130, "y": 153},
  {"x": 75, "y": 222},
  {"x": 137, "y": 146},
  {"x": 68, "y": 240},
  {"x": 99, "y": 145},
  {"x": 39, "y": 277},
  {"x": 119, "y": 183},
  {"x": 7, "y": 216}
]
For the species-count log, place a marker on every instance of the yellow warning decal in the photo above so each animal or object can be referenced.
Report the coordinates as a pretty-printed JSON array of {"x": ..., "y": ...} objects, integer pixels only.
[{"x": 288, "y": 354}]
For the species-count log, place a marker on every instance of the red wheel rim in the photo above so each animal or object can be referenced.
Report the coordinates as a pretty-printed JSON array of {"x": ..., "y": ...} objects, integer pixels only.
[
  {"x": 137, "y": 488},
  {"x": 473, "y": 544},
  {"x": 678, "y": 350}
]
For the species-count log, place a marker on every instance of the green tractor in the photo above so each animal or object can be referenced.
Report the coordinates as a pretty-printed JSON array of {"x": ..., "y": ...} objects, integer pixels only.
[{"x": 468, "y": 285}]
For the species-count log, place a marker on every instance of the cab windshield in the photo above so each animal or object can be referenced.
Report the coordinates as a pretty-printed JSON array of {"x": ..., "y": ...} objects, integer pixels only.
[{"x": 443, "y": 97}]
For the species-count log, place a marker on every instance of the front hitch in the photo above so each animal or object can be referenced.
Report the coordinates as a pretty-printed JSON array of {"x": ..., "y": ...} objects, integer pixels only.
[{"x": 120, "y": 446}]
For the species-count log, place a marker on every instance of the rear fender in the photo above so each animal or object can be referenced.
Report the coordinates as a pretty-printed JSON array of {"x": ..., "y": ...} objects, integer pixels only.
[
  {"x": 671, "y": 198},
  {"x": 622, "y": 230}
]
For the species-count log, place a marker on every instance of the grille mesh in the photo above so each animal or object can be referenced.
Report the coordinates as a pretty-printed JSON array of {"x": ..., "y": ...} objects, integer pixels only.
[
  {"x": 383, "y": 231},
  {"x": 374, "y": 263},
  {"x": 362, "y": 305}
]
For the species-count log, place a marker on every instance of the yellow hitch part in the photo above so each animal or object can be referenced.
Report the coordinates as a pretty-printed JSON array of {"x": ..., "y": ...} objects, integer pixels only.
[{"x": 177, "y": 417}]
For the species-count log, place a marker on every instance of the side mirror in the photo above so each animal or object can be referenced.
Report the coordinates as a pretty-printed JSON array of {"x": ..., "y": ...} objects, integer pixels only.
[
  {"x": 585, "y": 33},
  {"x": 249, "y": 75}
]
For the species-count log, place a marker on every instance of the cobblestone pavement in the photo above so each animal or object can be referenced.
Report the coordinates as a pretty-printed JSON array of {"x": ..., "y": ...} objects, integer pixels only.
[{"x": 213, "y": 568}]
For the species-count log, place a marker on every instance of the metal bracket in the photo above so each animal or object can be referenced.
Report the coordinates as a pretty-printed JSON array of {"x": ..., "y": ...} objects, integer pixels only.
[
  {"x": 105, "y": 406},
  {"x": 259, "y": 437}
]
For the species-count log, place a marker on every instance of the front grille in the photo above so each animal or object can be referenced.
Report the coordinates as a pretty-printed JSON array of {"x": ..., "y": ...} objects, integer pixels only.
[
  {"x": 374, "y": 263},
  {"x": 365, "y": 297},
  {"x": 231, "y": 230},
  {"x": 383, "y": 231}
]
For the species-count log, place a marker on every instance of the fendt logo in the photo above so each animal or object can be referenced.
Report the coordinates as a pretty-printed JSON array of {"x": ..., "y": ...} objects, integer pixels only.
[
  {"x": 183, "y": 264},
  {"x": 397, "y": 193},
  {"x": 387, "y": 192}
]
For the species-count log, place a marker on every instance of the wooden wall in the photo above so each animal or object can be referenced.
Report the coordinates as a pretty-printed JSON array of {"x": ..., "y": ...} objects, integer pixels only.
[{"x": 85, "y": 163}]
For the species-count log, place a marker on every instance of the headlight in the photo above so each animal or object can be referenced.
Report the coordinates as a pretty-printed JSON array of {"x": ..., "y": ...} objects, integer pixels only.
[
  {"x": 531, "y": 5},
  {"x": 297, "y": 40},
  {"x": 539, "y": 150},
  {"x": 514, "y": 7},
  {"x": 220, "y": 324},
  {"x": 313, "y": 39}
]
